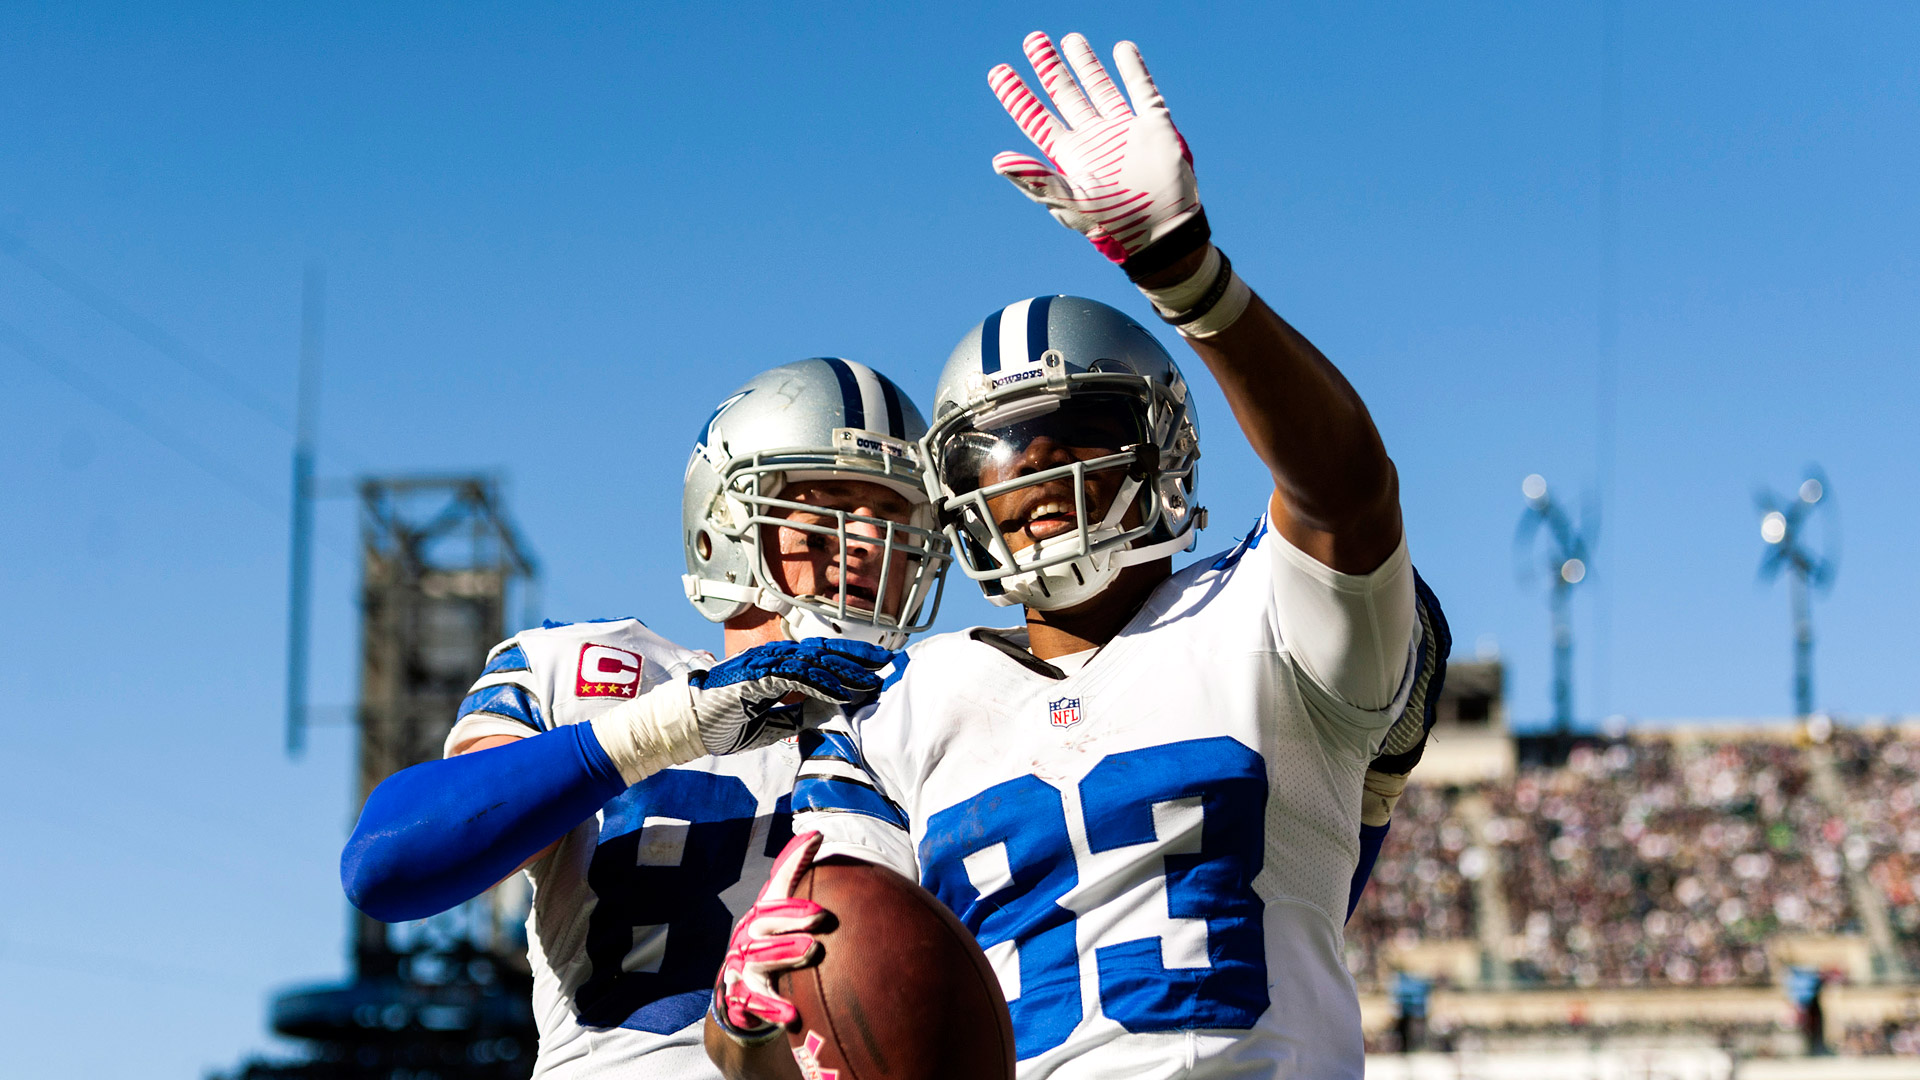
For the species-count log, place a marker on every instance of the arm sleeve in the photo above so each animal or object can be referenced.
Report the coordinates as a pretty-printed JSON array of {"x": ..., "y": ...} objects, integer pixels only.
[
  {"x": 443, "y": 832},
  {"x": 1354, "y": 636},
  {"x": 839, "y": 795}
]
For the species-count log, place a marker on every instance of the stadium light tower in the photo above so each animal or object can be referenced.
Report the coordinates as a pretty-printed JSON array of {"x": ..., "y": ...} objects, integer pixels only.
[
  {"x": 1567, "y": 556},
  {"x": 1784, "y": 525}
]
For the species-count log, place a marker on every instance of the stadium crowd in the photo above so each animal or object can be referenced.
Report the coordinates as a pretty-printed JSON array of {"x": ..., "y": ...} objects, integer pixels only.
[
  {"x": 1895, "y": 1035},
  {"x": 1880, "y": 775},
  {"x": 1665, "y": 862},
  {"x": 1422, "y": 886},
  {"x": 1653, "y": 861}
]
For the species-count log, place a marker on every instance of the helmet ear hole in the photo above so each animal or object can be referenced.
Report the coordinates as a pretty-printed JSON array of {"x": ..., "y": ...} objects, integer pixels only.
[{"x": 703, "y": 546}]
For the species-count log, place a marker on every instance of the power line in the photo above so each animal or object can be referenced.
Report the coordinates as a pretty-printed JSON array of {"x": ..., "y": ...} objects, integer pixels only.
[
  {"x": 149, "y": 333},
  {"x": 152, "y": 335},
  {"x": 113, "y": 401},
  {"x": 118, "y": 404}
]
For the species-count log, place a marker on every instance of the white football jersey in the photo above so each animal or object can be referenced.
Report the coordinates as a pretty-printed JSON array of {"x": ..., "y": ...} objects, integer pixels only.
[
  {"x": 631, "y": 913},
  {"x": 1154, "y": 849}
]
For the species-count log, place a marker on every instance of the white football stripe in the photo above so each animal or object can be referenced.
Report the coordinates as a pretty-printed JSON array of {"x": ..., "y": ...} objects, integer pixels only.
[
  {"x": 1013, "y": 337},
  {"x": 872, "y": 398}
]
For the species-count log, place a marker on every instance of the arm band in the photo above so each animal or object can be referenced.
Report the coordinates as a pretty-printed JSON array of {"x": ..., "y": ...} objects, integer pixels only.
[
  {"x": 443, "y": 832},
  {"x": 1183, "y": 240}
]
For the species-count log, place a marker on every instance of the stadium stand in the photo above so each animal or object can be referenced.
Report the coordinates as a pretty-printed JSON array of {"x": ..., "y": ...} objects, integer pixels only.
[
  {"x": 1880, "y": 776},
  {"x": 1657, "y": 885}
]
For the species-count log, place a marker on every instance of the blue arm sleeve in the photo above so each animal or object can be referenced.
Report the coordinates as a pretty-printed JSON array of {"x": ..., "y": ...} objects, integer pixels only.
[
  {"x": 443, "y": 832},
  {"x": 1371, "y": 837}
]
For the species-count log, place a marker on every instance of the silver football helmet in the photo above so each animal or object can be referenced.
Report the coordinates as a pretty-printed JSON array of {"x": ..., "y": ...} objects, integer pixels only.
[
  {"x": 1052, "y": 391},
  {"x": 818, "y": 419}
]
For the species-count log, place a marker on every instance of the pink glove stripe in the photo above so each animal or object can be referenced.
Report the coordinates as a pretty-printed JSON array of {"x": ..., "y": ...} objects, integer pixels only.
[
  {"x": 793, "y": 907},
  {"x": 1059, "y": 85},
  {"x": 1024, "y": 167},
  {"x": 769, "y": 939},
  {"x": 1021, "y": 104},
  {"x": 747, "y": 1010},
  {"x": 1110, "y": 207},
  {"x": 1093, "y": 75},
  {"x": 1120, "y": 174},
  {"x": 778, "y": 951}
]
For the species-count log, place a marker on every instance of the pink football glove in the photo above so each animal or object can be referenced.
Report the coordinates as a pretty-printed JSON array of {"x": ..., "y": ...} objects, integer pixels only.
[
  {"x": 1123, "y": 178},
  {"x": 771, "y": 938}
]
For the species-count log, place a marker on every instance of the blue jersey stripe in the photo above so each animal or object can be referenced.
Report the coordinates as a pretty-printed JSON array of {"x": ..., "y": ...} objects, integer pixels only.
[
  {"x": 1371, "y": 837},
  {"x": 990, "y": 343},
  {"x": 1037, "y": 327},
  {"x": 831, "y": 794},
  {"x": 849, "y": 391},
  {"x": 513, "y": 659},
  {"x": 508, "y": 700},
  {"x": 551, "y": 624},
  {"x": 1247, "y": 543},
  {"x": 829, "y": 746},
  {"x": 666, "y": 1015}
]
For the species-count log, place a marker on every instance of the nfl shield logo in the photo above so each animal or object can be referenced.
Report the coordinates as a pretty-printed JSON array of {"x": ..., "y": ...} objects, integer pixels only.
[{"x": 1064, "y": 713}]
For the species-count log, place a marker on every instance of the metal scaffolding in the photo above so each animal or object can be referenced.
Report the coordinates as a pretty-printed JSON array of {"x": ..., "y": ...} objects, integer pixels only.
[{"x": 447, "y": 998}]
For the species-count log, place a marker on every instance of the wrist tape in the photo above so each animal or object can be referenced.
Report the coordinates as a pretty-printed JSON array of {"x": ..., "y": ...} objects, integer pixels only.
[
  {"x": 654, "y": 731},
  {"x": 1203, "y": 305},
  {"x": 1378, "y": 794}
]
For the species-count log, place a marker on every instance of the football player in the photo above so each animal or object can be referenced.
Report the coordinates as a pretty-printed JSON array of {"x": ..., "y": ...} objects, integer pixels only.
[
  {"x": 1147, "y": 802},
  {"x": 583, "y": 754}
]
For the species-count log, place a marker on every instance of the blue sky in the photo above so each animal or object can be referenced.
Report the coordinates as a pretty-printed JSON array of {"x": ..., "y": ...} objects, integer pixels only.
[{"x": 555, "y": 238}]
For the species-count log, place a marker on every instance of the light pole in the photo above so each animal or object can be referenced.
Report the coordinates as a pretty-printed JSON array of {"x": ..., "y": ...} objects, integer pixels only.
[
  {"x": 1567, "y": 555},
  {"x": 1784, "y": 525}
]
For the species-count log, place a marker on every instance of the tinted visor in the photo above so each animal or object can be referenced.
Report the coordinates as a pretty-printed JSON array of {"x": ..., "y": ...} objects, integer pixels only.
[{"x": 1083, "y": 427}]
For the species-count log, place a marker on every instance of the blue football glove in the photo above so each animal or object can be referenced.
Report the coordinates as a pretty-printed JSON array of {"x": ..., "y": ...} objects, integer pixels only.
[{"x": 738, "y": 701}]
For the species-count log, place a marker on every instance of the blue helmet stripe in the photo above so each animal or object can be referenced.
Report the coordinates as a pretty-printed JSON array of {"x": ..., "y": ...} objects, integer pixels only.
[
  {"x": 1037, "y": 327},
  {"x": 896, "y": 420},
  {"x": 990, "y": 343},
  {"x": 849, "y": 391}
]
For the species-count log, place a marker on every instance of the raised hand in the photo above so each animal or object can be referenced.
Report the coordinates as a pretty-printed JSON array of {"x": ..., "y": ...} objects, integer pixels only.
[{"x": 1118, "y": 173}]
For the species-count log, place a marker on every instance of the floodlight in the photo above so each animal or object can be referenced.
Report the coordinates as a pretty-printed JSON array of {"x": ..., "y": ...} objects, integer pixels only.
[
  {"x": 1773, "y": 527},
  {"x": 1566, "y": 562},
  {"x": 1785, "y": 525}
]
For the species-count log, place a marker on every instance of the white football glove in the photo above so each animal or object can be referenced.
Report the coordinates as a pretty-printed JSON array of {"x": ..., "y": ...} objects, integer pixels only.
[
  {"x": 736, "y": 705},
  {"x": 1121, "y": 175}
]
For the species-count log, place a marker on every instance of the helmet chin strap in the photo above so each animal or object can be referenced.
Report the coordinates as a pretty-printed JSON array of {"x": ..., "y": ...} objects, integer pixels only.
[
  {"x": 801, "y": 624},
  {"x": 796, "y": 621},
  {"x": 1074, "y": 582}
]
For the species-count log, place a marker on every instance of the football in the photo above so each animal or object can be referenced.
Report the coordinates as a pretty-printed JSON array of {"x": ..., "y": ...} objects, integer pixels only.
[{"x": 902, "y": 993}]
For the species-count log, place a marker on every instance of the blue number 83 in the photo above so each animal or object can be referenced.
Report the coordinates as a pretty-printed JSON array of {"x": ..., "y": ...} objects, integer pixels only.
[{"x": 1117, "y": 798}]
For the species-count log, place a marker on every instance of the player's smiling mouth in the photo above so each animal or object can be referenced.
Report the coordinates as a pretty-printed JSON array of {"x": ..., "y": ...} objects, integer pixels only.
[
  {"x": 1050, "y": 518},
  {"x": 1048, "y": 512}
]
